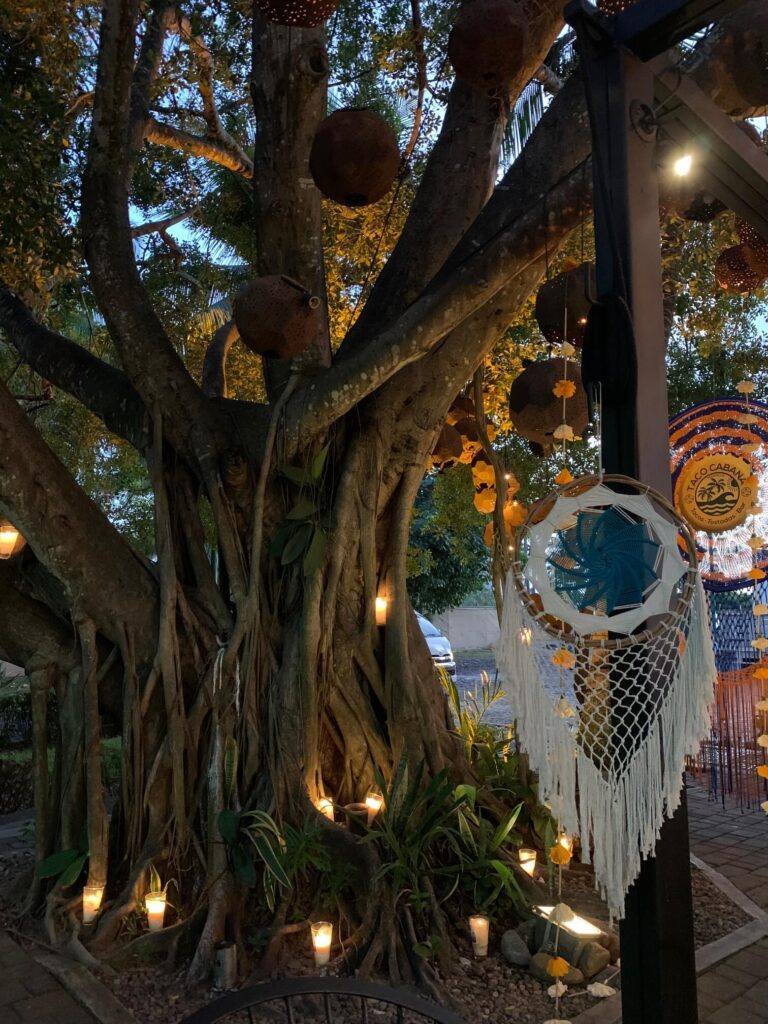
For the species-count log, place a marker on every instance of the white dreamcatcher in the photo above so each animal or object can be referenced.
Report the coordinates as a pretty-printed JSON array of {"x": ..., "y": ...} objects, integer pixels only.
[{"x": 607, "y": 659}]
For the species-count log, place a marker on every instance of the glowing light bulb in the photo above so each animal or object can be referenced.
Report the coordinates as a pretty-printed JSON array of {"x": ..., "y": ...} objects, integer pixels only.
[{"x": 682, "y": 165}]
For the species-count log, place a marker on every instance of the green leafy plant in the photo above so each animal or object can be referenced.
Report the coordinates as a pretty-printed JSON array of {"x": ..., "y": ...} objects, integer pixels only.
[
  {"x": 65, "y": 865},
  {"x": 486, "y": 877},
  {"x": 304, "y": 851},
  {"x": 301, "y": 533},
  {"x": 254, "y": 834},
  {"x": 470, "y": 713}
]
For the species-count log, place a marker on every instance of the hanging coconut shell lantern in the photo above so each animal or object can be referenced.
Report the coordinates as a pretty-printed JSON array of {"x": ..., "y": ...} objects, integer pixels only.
[
  {"x": 738, "y": 61},
  {"x": 614, "y": 6},
  {"x": 533, "y": 409},
  {"x": 448, "y": 448},
  {"x": 485, "y": 499},
  {"x": 461, "y": 407},
  {"x": 754, "y": 248},
  {"x": 301, "y": 13},
  {"x": 488, "y": 42},
  {"x": 354, "y": 158},
  {"x": 470, "y": 439},
  {"x": 275, "y": 316},
  {"x": 483, "y": 474},
  {"x": 566, "y": 293},
  {"x": 684, "y": 195},
  {"x": 733, "y": 272}
]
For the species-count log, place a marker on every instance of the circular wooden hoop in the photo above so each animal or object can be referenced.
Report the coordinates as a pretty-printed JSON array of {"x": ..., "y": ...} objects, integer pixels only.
[{"x": 547, "y": 621}]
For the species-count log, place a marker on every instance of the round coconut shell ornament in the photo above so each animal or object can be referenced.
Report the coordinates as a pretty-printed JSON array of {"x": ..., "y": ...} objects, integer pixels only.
[
  {"x": 535, "y": 412},
  {"x": 488, "y": 42},
  {"x": 448, "y": 448},
  {"x": 738, "y": 62},
  {"x": 354, "y": 158},
  {"x": 565, "y": 298},
  {"x": 301, "y": 13},
  {"x": 755, "y": 248},
  {"x": 276, "y": 317},
  {"x": 733, "y": 272},
  {"x": 614, "y": 6}
]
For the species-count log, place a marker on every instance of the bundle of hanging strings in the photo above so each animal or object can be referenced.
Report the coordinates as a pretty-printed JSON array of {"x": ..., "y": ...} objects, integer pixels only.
[{"x": 607, "y": 659}]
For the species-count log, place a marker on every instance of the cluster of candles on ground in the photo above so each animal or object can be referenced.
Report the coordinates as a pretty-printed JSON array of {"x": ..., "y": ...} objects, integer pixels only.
[{"x": 155, "y": 902}]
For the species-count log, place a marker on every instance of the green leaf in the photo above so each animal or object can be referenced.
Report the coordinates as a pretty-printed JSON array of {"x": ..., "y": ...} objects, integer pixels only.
[
  {"x": 316, "y": 552},
  {"x": 318, "y": 463},
  {"x": 467, "y": 793},
  {"x": 280, "y": 539},
  {"x": 303, "y": 509},
  {"x": 267, "y": 853},
  {"x": 230, "y": 767},
  {"x": 242, "y": 864},
  {"x": 296, "y": 545},
  {"x": 296, "y": 474},
  {"x": 53, "y": 866},
  {"x": 505, "y": 827},
  {"x": 72, "y": 873},
  {"x": 423, "y": 949},
  {"x": 228, "y": 823}
]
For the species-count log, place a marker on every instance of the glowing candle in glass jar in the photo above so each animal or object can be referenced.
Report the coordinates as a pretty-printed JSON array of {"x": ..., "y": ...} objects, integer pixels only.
[
  {"x": 92, "y": 896},
  {"x": 565, "y": 841},
  {"x": 527, "y": 860},
  {"x": 479, "y": 926},
  {"x": 322, "y": 935},
  {"x": 155, "y": 903},
  {"x": 381, "y": 611},
  {"x": 373, "y": 804},
  {"x": 325, "y": 806}
]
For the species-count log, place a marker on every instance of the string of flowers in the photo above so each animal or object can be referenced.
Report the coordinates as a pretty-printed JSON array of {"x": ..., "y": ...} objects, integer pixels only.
[{"x": 564, "y": 389}]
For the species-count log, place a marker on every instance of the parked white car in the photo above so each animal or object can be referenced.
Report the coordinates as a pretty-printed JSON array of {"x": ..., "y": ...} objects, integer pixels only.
[{"x": 439, "y": 646}]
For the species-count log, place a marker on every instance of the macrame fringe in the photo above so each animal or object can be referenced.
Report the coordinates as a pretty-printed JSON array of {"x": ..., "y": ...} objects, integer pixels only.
[{"x": 618, "y": 814}]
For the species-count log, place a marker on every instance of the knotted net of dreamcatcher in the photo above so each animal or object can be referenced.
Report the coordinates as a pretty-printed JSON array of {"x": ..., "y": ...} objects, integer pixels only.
[{"x": 607, "y": 659}]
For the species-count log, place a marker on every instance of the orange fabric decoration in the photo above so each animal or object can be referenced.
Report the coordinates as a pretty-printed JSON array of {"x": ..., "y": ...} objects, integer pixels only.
[
  {"x": 762, "y": 771},
  {"x": 563, "y": 477},
  {"x": 557, "y": 967},
  {"x": 564, "y": 658},
  {"x": 756, "y": 574},
  {"x": 560, "y": 855},
  {"x": 564, "y": 389},
  {"x": 760, "y": 673}
]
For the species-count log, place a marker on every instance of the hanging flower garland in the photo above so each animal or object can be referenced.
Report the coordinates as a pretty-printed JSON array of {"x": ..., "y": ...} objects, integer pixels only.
[
  {"x": 759, "y": 608},
  {"x": 565, "y": 389}
]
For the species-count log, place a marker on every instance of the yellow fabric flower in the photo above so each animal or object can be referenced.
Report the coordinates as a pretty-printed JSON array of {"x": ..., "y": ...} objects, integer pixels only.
[
  {"x": 563, "y": 478},
  {"x": 557, "y": 967},
  {"x": 760, "y": 673},
  {"x": 745, "y": 387},
  {"x": 560, "y": 854},
  {"x": 564, "y": 389},
  {"x": 564, "y": 658},
  {"x": 563, "y": 433},
  {"x": 747, "y": 417},
  {"x": 567, "y": 350},
  {"x": 762, "y": 771},
  {"x": 756, "y": 574},
  {"x": 762, "y": 741}
]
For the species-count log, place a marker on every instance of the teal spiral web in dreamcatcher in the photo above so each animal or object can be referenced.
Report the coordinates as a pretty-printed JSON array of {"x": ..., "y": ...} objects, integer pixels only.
[{"x": 605, "y": 560}]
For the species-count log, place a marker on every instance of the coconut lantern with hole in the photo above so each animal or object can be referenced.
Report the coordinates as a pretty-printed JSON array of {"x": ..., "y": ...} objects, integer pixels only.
[
  {"x": 483, "y": 474},
  {"x": 276, "y": 317},
  {"x": 354, "y": 158},
  {"x": 737, "y": 63},
  {"x": 299, "y": 13},
  {"x": 448, "y": 448},
  {"x": 534, "y": 410},
  {"x": 733, "y": 272},
  {"x": 754, "y": 248},
  {"x": 566, "y": 295},
  {"x": 487, "y": 44}
]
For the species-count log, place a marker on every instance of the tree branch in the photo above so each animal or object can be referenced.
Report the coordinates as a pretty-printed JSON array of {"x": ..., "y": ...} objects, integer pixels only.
[
  {"x": 163, "y": 134},
  {"x": 457, "y": 181},
  {"x": 214, "y": 379},
  {"x": 155, "y": 369},
  {"x": 102, "y": 388},
  {"x": 30, "y": 633},
  {"x": 69, "y": 534},
  {"x": 164, "y": 223}
]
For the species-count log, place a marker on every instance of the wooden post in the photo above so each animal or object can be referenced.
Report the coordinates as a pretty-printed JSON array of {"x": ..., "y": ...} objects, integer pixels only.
[{"x": 657, "y": 951}]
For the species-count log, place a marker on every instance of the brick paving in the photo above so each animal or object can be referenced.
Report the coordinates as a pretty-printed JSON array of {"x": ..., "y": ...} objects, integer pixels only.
[{"x": 30, "y": 995}]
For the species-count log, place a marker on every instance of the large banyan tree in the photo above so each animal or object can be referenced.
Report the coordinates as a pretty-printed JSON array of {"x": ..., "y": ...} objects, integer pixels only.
[{"x": 258, "y": 679}]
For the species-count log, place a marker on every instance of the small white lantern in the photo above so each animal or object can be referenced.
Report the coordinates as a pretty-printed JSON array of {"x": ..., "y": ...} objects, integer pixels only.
[
  {"x": 373, "y": 803},
  {"x": 155, "y": 903},
  {"x": 92, "y": 897},
  {"x": 574, "y": 925},
  {"x": 322, "y": 936},
  {"x": 527, "y": 860},
  {"x": 479, "y": 926}
]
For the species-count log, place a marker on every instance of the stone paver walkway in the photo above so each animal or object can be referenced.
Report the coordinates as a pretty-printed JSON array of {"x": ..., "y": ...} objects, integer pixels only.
[{"x": 30, "y": 995}]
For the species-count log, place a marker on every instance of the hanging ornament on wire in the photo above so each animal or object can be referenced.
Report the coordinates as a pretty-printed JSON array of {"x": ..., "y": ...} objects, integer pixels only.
[
  {"x": 354, "y": 158},
  {"x": 536, "y": 412},
  {"x": 733, "y": 271},
  {"x": 612, "y": 687},
  {"x": 487, "y": 44},
  {"x": 563, "y": 304},
  {"x": 300, "y": 13}
]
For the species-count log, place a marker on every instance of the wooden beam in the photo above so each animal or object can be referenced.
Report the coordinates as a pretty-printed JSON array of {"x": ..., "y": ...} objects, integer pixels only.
[
  {"x": 729, "y": 164},
  {"x": 648, "y": 29}
]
